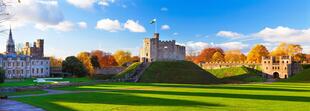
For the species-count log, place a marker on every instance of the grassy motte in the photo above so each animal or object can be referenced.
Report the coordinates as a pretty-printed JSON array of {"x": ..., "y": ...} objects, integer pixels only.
[
  {"x": 128, "y": 70},
  {"x": 177, "y": 72},
  {"x": 178, "y": 97}
]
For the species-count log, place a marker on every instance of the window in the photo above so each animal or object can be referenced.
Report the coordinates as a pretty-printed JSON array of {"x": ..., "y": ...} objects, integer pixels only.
[
  {"x": 286, "y": 61},
  {"x": 265, "y": 62},
  {"x": 37, "y": 70},
  {"x": 32, "y": 70},
  {"x": 41, "y": 70},
  {"x": 266, "y": 67}
]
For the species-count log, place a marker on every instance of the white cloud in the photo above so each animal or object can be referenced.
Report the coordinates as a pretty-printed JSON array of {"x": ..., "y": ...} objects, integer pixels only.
[
  {"x": 109, "y": 25},
  {"x": 232, "y": 45},
  {"x": 284, "y": 34},
  {"x": 196, "y": 47},
  {"x": 82, "y": 24},
  {"x": 134, "y": 26},
  {"x": 165, "y": 27},
  {"x": 35, "y": 11},
  {"x": 62, "y": 26},
  {"x": 229, "y": 34},
  {"x": 89, "y": 3},
  {"x": 164, "y": 9}
]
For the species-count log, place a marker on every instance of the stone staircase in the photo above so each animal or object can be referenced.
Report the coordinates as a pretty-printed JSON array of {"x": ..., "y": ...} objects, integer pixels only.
[{"x": 135, "y": 76}]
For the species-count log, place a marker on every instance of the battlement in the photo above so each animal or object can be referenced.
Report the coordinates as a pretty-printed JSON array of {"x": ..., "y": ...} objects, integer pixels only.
[{"x": 36, "y": 50}]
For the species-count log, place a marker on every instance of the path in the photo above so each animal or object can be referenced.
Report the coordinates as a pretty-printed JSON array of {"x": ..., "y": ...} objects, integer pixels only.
[
  {"x": 51, "y": 92},
  {"x": 10, "y": 105}
]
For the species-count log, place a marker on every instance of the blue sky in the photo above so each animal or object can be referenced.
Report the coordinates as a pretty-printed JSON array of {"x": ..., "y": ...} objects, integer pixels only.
[{"x": 71, "y": 26}]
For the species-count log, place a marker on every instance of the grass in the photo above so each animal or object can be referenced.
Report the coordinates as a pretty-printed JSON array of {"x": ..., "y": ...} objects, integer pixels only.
[
  {"x": 129, "y": 69},
  {"x": 237, "y": 74},
  {"x": 303, "y": 76},
  {"x": 29, "y": 82},
  {"x": 177, "y": 72},
  {"x": 23, "y": 93},
  {"x": 280, "y": 96},
  {"x": 227, "y": 72}
]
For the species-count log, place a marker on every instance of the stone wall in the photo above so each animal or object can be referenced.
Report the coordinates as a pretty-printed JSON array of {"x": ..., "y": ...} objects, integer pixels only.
[{"x": 109, "y": 70}]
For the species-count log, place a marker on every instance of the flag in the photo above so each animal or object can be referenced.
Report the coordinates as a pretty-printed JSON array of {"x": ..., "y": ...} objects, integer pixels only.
[
  {"x": 153, "y": 21},
  {"x": 18, "y": 1}
]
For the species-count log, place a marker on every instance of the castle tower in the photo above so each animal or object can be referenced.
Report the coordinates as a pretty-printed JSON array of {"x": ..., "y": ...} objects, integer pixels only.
[
  {"x": 10, "y": 47},
  {"x": 40, "y": 45}
]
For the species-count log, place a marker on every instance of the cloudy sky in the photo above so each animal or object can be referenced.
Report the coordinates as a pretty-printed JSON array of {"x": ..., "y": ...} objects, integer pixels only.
[{"x": 71, "y": 26}]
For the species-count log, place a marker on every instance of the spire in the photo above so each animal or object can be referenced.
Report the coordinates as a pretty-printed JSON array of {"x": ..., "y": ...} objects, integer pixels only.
[{"x": 10, "y": 47}]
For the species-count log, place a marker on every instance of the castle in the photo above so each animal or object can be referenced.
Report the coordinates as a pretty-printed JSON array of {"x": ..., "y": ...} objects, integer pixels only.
[
  {"x": 156, "y": 50},
  {"x": 37, "y": 50},
  {"x": 279, "y": 67},
  {"x": 31, "y": 63}
]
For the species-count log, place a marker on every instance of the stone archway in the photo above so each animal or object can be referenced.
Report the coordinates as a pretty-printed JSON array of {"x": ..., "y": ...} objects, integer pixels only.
[{"x": 276, "y": 75}]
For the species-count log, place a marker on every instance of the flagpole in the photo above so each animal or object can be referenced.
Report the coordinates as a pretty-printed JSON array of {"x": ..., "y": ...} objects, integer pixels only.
[{"x": 156, "y": 26}]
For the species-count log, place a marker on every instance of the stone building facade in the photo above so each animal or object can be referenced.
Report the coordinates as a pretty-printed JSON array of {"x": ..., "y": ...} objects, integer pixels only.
[
  {"x": 156, "y": 50},
  {"x": 37, "y": 50},
  {"x": 24, "y": 66},
  {"x": 279, "y": 67}
]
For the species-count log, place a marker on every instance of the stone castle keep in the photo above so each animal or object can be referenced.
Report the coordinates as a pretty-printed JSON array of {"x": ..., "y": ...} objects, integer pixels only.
[
  {"x": 279, "y": 67},
  {"x": 156, "y": 50},
  {"x": 37, "y": 50}
]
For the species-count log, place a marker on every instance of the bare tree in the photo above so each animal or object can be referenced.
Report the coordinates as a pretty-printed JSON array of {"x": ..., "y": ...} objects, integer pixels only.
[{"x": 4, "y": 15}]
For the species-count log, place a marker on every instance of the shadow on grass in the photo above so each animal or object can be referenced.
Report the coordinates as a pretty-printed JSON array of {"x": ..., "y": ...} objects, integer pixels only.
[
  {"x": 51, "y": 102},
  {"x": 257, "y": 88},
  {"x": 223, "y": 95}
]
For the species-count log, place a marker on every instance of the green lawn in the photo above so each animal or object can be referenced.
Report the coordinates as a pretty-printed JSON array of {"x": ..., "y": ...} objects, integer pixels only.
[
  {"x": 29, "y": 82},
  {"x": 279, "y": 96}
]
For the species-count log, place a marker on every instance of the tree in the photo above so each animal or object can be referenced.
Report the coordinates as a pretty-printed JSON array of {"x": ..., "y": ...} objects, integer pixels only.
[
  {"x": 135, "y": 59},
  {"x": 74, "y": 66},
  {"x": 122, "y": 57},
  {"x": 55, "y": 62},
  {"x": 218, "y": 57},
  {"x": 85, "y": 58},
  {"x": 256, "y": 53},
  {"x": 2, "y": 75},
  {"x": 234, "y": 56},
  {"x": 104, "y": 59},
  {"x": 293, "y": 50},
  {"x": 95, "y": 62},
  {"x": 207, "y": 53}
]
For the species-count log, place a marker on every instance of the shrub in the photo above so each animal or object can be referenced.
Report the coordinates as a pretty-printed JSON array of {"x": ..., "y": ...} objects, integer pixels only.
[{"x": 2, "y": 75}]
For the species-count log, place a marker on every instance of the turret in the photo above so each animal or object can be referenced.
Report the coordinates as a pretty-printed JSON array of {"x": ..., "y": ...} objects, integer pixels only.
[{"x": 156, "y": 35}]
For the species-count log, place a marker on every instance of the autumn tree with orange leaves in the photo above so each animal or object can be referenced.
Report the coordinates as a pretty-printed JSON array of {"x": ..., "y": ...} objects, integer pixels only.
[
  {"x": 85, "y": 58},
  {"x": 234, "y": 56},
  {"x": 218, "y": 57},
  {"x": 256, "y": 53},
  {"x": 285, "y": 49},
  {"x": 207, "y": 53}
]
